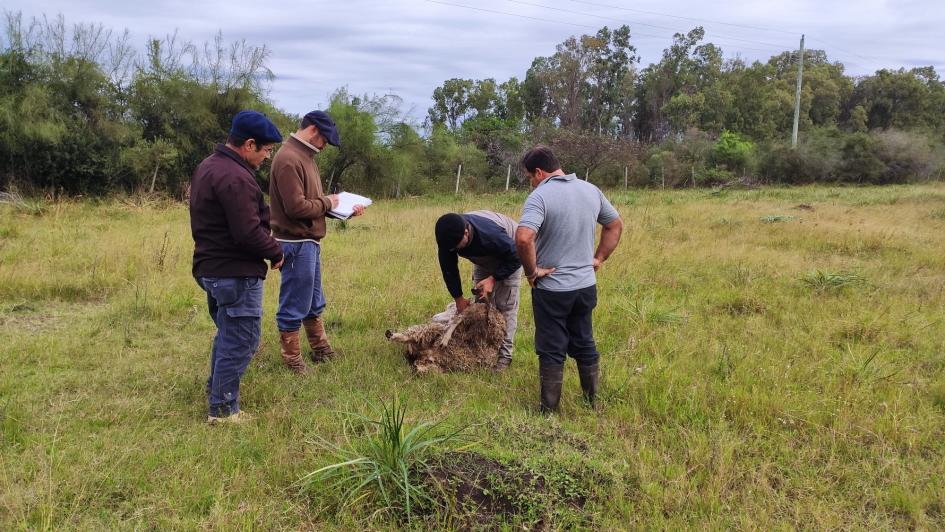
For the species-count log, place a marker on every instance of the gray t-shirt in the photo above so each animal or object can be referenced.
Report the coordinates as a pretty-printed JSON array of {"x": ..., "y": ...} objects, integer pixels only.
[{"x": 564, "y": 212}]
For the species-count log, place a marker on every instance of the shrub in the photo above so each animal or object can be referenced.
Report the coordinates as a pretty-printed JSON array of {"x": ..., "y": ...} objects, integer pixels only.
[
  {"x": 860, "y": 164},
  {"x": 907, "y": 156},
  {"x": 387, "y": 468},
  {"x": 733, "y": 152}
]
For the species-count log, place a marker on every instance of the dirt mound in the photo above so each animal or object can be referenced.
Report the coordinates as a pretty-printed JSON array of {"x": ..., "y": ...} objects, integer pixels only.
[
  {"x": 484, "y": 493},
  {"x": 454, "y": 342}
]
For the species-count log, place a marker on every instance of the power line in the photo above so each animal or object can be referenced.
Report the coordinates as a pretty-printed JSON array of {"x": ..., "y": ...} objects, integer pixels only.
[
  {"x": 746, "y": 26},
  {"x": 720, "y": 36},
  {"x": 595, "y": 4},
  {"x": 775, "y": 46},
  {"x": 634, "y": 34},
  {"x": 510, "y": 14},
  {"x": 585, "y": 14},
  {"x": 875, "y": 59}
]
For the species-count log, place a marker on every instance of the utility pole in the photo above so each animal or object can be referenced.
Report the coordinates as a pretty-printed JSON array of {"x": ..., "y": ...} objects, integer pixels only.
[
  {"x": 625, "y": 177},
  {"x": 797, "y": 96},
  {"x": 508, "y": 176},
  {"x": 459, "y": 172}
]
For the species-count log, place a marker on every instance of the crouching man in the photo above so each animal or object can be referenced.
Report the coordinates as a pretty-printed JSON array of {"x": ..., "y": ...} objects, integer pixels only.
[
  {"x": 487, "y": 239},
  {"x": 229, "y": 221},
  {"x": 555, "y": 241}
]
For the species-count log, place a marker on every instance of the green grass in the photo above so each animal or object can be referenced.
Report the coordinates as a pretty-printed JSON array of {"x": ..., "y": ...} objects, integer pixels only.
[
  {"x": 826, "y": 281},
  {"x": 735, "y": 394},
  {"x": 384, "y": 465}
]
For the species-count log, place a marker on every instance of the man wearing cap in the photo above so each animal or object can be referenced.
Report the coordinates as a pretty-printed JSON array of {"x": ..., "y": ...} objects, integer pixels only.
[
  {"x": 229, "y": 221},
  {"x": 299, "y": 206},
  {"x": 555, "y": 241},
  {"x": 487, "y": 239}
]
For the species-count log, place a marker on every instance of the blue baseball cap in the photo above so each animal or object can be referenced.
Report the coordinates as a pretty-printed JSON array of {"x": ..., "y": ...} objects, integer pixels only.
[
  {"x": 326, "y": 126},
  {"x": 255, "y": 125}
]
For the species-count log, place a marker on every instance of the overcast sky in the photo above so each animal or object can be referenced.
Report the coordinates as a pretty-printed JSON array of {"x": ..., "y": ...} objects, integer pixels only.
[{"x": 408, "y": 47}]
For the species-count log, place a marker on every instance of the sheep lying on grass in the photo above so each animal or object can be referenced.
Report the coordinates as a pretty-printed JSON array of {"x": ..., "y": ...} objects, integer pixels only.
[{"x": 454, "y": 342}]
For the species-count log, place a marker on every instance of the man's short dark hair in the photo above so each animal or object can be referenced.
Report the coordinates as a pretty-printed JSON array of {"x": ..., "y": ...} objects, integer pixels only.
[
  {"x": 540, "y": 157},
  {"x": 237, "y": 142}
]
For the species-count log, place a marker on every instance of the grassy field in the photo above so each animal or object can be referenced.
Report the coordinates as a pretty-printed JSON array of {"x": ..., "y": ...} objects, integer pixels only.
[{"x": 771, "y": 359}]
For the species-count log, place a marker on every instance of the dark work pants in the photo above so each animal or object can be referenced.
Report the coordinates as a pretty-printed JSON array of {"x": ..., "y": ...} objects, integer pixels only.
[
  {"x": 235, "y": 304},
  {"x": 563, "y": 325}
]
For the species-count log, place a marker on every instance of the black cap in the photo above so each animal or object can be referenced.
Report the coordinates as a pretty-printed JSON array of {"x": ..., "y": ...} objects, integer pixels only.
[
  {"x": 450, "y": 229},
  {"x": 326, "y": 126},
  {"x": 255, "y": 125}
]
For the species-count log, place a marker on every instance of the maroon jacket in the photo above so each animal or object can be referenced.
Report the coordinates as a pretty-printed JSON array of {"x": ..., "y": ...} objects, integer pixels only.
[{"x": 229, "y": 219}]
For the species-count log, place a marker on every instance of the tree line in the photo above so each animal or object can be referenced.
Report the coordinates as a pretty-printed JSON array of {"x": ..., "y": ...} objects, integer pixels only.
[{"x": 83, "y": 111}]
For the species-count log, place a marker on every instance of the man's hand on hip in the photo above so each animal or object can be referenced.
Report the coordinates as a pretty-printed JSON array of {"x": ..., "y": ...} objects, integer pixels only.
[
  {"x": 538, "y": 274},
  {"x": 278, "y": 265}
]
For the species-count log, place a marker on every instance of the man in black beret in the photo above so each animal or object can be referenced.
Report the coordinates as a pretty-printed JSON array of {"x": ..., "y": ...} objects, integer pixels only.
[
  {"x": 487, "y": 239},
  {"x": 229, "y": 221},
  {"x": 299, "y": 207}
]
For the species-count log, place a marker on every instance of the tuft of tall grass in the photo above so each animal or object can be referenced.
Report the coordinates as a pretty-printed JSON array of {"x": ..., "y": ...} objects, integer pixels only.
[
  {"x": 33, "y": 207},
  {"x": 386, "y": 467},
  {"x": 646, "y": 311},
  {"x": 828, "y": 281}
]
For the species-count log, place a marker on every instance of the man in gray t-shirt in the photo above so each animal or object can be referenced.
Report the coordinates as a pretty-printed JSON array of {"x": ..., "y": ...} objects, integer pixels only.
[{"x": 555, "y": 243}]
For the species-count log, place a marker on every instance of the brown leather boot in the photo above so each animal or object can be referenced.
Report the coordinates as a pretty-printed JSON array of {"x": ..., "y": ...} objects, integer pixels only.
[
  {"x": 318, "y": 340},
  {"x": 292, "y": 352}
]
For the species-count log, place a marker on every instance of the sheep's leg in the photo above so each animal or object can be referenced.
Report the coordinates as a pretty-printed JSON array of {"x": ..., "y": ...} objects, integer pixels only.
[{"x": 445, "y": 339}]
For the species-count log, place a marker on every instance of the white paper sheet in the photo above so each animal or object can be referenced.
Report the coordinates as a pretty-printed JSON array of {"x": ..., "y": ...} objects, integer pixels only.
[{"x": 346, "y": 203}]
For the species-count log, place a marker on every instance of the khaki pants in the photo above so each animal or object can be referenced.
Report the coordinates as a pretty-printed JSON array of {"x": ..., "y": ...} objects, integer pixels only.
[{"x": 505, "y": 296}]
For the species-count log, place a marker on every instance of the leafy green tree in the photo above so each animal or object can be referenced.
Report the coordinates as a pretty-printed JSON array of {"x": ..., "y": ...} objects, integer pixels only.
[
  {"x": 584, "y": 84},
  {"x": 406, "y": 161},
  {"x": 902, "y": 99},
  {"x": 686, "y": 68},
  {"x": 358, "y": 154},
  {"x": 451, "y": 102}
]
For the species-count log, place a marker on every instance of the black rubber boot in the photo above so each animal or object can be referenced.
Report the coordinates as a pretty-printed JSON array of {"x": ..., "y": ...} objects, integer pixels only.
[
  {"x": 590, "y": 380},
  {"x": 551, "y": 376}
]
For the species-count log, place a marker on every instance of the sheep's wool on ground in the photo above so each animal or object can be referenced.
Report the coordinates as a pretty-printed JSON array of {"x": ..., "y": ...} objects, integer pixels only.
[{"x": 454, "y": 342}]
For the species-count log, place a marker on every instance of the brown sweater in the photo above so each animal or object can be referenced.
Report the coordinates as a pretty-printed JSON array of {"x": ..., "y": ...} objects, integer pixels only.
[{"x": 295, "y": 191}]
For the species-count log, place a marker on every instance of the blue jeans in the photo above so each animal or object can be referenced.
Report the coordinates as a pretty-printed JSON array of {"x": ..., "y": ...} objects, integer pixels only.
[
  {"x": 300, "y": 294},
  {"x": 235, "y": 305}
]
